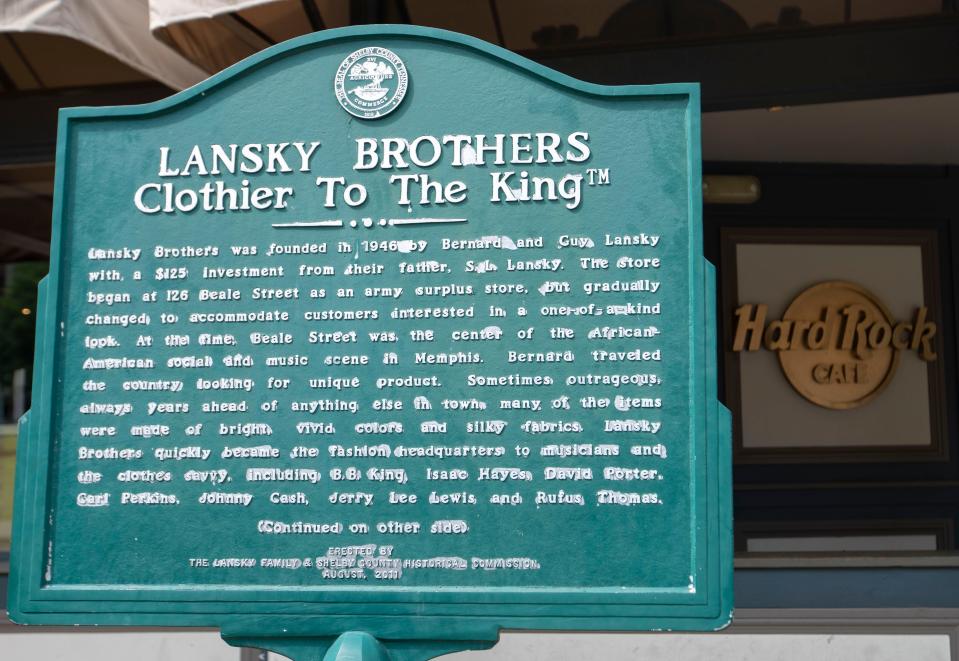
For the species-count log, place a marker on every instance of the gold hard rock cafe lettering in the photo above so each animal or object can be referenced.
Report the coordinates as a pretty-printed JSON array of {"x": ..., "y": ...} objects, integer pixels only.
[{"x": 837, "y": 343}]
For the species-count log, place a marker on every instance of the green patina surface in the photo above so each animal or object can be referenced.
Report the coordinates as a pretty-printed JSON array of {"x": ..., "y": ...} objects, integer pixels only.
[{"x": 662, "y": 564}]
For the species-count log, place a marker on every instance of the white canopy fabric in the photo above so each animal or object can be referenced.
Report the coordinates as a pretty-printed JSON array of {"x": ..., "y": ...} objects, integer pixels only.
[
  {"x": 217, "y": 33},
  {"x": 203, "y": 32},
  {"x": 120, "y": 28},
  {"x": 164, "y": 13}
]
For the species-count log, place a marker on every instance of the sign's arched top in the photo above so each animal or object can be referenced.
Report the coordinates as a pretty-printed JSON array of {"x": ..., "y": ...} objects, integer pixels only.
[{"x": 371, "y": 82}]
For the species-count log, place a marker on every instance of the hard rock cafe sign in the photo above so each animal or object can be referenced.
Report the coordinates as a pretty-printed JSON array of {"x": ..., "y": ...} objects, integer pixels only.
[{"x": 837, "y": 343}]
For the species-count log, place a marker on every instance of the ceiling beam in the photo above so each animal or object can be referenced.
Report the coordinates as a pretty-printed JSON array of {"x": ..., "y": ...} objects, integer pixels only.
[
  {"x": 764, "y": 69},
  {"x": 246, "y": 32},
  {"x": 28, "y": 120},
  {"x": 313, "y": 15}
]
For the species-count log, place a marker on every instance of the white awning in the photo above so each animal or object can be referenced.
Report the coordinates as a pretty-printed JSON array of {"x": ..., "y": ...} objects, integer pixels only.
[
  {"x": 216, "y": 33},
  {"x": 119, "y": 28},
  {"x": 164, "y": 13}
]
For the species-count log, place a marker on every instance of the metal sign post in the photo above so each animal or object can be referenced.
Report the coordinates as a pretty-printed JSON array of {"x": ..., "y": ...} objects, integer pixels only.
[{"x": 377, "y": 343}]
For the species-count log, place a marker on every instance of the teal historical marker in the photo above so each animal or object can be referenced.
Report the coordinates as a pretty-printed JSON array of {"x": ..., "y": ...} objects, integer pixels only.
[{"x": 384, "y": 331}]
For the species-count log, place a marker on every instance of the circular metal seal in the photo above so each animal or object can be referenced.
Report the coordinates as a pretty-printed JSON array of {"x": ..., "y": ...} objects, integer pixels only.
[
  {"x": 835, "y": 317},
  {"x": 371, "y": 82}
]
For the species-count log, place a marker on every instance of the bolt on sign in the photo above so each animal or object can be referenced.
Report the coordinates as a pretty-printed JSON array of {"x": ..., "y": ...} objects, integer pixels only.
[
  {"x": 385, "y": 332},
  {"x": 837, "y": 344}
]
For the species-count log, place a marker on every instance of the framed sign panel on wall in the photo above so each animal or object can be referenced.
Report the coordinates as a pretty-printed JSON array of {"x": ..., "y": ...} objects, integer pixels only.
[
  {"x": 837, "y": 320},
  {"x": 833, "y": 347}
]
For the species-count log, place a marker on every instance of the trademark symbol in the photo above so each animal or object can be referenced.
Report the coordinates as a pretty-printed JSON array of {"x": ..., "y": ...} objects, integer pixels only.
[{"x": 597, "y": 176}]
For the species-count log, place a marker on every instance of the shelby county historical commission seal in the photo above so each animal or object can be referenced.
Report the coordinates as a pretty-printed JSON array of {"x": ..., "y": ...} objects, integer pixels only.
[{"x": 371, "y": 82}]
